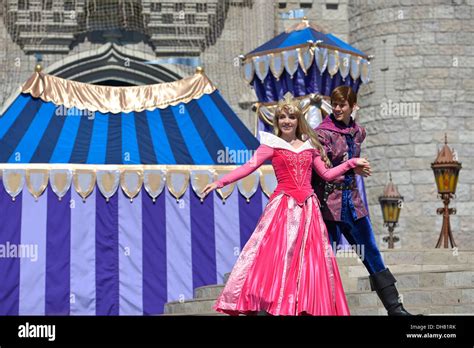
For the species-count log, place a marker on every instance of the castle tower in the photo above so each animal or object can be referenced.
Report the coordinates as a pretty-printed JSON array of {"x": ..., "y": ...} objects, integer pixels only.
[{"x": 421, "y": 88}]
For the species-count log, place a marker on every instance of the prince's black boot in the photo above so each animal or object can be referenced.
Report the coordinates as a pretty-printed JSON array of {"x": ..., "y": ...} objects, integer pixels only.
[{"x": 383, "y": 283}]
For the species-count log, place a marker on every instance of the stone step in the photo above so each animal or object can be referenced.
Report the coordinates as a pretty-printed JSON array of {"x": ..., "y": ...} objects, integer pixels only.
[
  {"x": 350, "y": 278},
  {"x": 401, "y": 261},
  {"x": 416, "y": 297},
  {"x": 365, "y": 302},
  {"x": 201, "y": 305},
  {"x": 413, "y": 260},
  {"x": 428, "y": 257},
  {"x": 442, "y": 257},
  {"x": 406, "y": 280},
  {"x": 431, "y": 281},
  {"x": 208, "y": 291},
  {"x": 437, "y": 310},
  {"x": 427, "y": 279},
  {"x": 405, "y": 261},
  {"x": 459, "y": 309},
  {"x": 432, "y": 310}
]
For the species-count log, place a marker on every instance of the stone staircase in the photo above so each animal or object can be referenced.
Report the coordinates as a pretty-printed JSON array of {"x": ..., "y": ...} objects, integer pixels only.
[{"x": 431, "y": 281}]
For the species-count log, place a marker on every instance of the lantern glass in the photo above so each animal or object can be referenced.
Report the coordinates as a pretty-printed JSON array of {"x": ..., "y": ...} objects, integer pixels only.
[
  {"x": 446, "y": 179},
  {"x": 390, "y": 210},
  {"x": 454, "y": 180}
]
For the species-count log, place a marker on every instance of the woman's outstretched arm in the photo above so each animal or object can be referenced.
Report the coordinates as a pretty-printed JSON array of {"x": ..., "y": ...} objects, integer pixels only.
[{"x": 262, "y": 154}]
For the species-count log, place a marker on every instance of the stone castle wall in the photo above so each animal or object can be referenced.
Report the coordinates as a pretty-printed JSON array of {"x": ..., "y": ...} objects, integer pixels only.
[{"x": 426, "y": 92}]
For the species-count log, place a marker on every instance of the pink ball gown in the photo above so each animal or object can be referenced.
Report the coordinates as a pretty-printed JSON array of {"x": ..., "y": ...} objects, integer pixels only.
[{"x": 287, "y": 266}]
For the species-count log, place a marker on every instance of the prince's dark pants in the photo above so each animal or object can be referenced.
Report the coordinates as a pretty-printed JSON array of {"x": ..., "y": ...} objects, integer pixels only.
[{"x": 360, "y": 235}]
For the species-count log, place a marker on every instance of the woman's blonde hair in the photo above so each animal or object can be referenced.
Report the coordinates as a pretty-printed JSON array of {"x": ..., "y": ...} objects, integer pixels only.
[{"x": 302, "y": 129}]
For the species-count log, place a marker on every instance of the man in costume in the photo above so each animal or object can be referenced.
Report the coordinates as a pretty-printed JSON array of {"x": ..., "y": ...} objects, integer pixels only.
[{"x": 343, "y": 209}]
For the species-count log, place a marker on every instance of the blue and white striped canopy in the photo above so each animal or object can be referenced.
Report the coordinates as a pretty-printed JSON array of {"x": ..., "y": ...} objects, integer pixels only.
[
  {"x": 289, "y": 39},
  {"x": 36, "y": 130},
  {"x": 303, "y": 60}
]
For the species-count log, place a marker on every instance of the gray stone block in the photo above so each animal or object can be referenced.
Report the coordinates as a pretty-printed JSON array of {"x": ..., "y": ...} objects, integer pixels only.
[
  {"x": 408, "y": 281},
  {"x": 437, "y": 61},
  {"x": 432, "y": 279},
  {"x": 369, "y": 299},
  {"x": 399, "y": 151},
  {"x": 364, "y": 311},
  {"x": 468, "y": 296},
  {"x": 464, "y": 208},
  {"x": 422, "y": 176},
  {"x": 441, "y": 309},
  {"x": 436, "y": 257},
  {"x": 461, "y": 279},
  {"x": 416, "y": 298},
  {"x": 420, "y": 137},
  {"x": 191, "y": 306},
  {"x": 449, "y": 296},
  {"x": 402, "y": 257},
  {"x": 426, "y": 192},
  {"x": 352, "y": 300},
  {"x": 465, "y": 309},
  {"x": 417, "y": 163},
  {"x": 208, "y": 291},
  {"x": 425, "y": 150}
]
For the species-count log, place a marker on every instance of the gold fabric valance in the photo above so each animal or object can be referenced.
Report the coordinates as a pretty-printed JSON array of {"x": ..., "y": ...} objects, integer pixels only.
[
  {"x": 288, "y": 59},
  {"x": 130, "y": 178},
  {"x": 116, "y": 99}
]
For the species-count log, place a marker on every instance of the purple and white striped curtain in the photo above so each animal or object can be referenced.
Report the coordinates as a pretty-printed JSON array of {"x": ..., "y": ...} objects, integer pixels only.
[{"x": 69, "y": 257}]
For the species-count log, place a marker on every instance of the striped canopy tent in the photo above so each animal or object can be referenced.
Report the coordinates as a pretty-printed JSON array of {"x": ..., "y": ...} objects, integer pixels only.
[
  {"x": 304, "y": 60},
  {"x": 100, "y": 200}
]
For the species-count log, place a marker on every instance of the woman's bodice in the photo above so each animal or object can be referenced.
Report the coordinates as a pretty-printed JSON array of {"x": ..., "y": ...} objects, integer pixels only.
[{"x": 292, "y": 167}]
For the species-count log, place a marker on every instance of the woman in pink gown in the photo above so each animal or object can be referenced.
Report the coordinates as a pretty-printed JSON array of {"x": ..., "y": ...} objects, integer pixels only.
[{"x": 287, "y": 266}]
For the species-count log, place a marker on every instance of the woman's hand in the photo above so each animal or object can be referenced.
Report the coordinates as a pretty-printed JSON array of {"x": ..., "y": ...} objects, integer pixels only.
[
  {"x": 362, "y": 162},
  {"x": 363, "y": 171},
  {"x": 209, "y": 188},
  {"x": 363, "y": 167}
]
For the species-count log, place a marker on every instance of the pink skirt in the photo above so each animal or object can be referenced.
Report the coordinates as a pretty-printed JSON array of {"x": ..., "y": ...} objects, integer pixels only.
[{"x": 287, "y": 266}]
